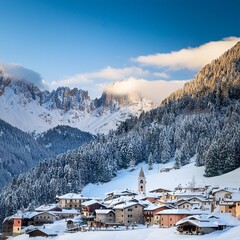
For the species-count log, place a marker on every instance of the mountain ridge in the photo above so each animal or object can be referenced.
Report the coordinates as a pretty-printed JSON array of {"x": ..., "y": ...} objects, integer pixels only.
[{"x": 21, "y": 101}]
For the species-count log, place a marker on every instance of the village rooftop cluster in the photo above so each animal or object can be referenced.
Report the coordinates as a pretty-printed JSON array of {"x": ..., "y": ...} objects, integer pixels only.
[{"x": 192, "y": 209}]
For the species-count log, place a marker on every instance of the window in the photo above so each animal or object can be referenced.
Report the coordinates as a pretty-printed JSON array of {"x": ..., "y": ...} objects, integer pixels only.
[
  {"x": 136, "y": 206},
  {"x": 170, "y": 219},
  {"x": 18, "y": 221},
  {"x": 18, "y": 229}
]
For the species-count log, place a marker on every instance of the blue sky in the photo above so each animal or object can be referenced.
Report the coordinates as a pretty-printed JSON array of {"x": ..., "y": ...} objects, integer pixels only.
[{"x": 76, "y": 39}]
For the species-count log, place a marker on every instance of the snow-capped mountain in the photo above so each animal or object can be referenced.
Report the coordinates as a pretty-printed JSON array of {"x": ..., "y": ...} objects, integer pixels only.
[{"x": 26, "y": 107}]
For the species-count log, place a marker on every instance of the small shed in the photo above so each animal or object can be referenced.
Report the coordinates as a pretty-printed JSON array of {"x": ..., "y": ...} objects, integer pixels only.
[{"x": 41, "y": 233}]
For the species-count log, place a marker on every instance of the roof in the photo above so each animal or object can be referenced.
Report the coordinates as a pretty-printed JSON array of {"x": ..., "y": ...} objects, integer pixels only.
[
  {"x": 29, "y": 215},
  {"x": 47, "y": 207},
  {"x": 180, "y": 212},
  {"x": 103, "y": 211},
  {"x": 141, "y": 173},
  {"x": 48, "y": 232},
  {"x": 161, "y": 189},
  {"x": 71, "y": 196},
  {"x": 65, "y": 211},
  {"x": 90, "y": 202},
  {"x": 152, "y": 207},
  {"x": 126, "y": 205}
]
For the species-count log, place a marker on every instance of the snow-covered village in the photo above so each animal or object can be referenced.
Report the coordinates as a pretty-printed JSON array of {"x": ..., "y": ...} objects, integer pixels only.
[
  {"x": 119, "y": 120},
  {"x": 189, "y": 209}
]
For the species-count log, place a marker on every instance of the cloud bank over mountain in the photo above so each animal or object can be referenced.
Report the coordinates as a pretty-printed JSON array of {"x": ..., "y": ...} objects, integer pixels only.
[
  {"x": 188, "y": 58},
  {"x": 18, "y": 72}
]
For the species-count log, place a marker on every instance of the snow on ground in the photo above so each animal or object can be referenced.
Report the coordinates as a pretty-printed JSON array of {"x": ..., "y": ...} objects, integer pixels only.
[
  {"x": 144, "y": 233},
  {"x": 156, "y": 179}
]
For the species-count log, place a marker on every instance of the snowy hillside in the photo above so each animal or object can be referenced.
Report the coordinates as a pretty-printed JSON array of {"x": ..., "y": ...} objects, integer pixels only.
[
  {"x": 22, "y": 103},
  {"x": 156, "y": 179}
]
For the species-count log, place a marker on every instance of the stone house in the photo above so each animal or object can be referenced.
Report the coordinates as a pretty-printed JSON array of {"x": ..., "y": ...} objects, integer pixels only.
[
  {"x": 71, "y": 201},
  {"x": 150, "y": 211},
  {"x": 129, "y": 213},
  {"x": 104, "y": 216},
  {"x": 90, "y": 206}
]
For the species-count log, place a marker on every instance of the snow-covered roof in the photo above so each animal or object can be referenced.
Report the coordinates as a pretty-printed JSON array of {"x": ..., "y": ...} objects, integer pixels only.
[
  {"x": 90, "y": 202},
  {"x": 103, "y": 211},
  {"x": 126, "y": 205},
  {"x": 235, "y": 196},
  {"x": 152, "y": 207},
  {"x": 181, "y": 211},
  {"x": 29, "y": 215},
  {"x": 46, "y": 207},
  {"x": 66, "y": 211},
  {"x": 72, "y": 196},
  {"x": 121, "y": 192},
  {"x": 229, "y": 190}
]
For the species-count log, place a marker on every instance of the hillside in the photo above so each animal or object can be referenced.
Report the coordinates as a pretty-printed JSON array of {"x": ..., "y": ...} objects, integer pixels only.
[
  {"x": 63, "y": 138},
  {"x": 206, "y": 126},
  {"x": 19, "y": 152}
]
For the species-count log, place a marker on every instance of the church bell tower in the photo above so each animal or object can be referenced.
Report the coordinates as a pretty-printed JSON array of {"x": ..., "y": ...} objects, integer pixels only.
[{"x": 142, "y": 182}]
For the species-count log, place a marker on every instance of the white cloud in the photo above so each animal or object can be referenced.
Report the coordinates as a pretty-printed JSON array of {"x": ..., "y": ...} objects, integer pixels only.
[
  {"x": 108, "y": 73},
  {"x": 19, "y": 72},
  {"x": 189, "y": 58},
  {"x": 161, "y": 75},
  {"x": 154, "y": 90}
]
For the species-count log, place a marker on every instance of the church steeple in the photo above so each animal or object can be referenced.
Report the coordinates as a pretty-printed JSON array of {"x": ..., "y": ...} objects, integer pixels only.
[{"x": 142, "y": 182}]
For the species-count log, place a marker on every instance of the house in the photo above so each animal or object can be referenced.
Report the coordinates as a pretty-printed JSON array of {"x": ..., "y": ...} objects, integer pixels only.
[
  {"x": 169, "y": 218},
  {"x": 230, "y": 204},
  {"x": 104, "y": 216},
  {"x": 201, "y": 224},
  {"x": 21, "y": 220},
  {"x": 41, "y": 233},
  {"x": 187, "y": 205},
  {"x": 160, "y": 190},
  {"x": 150, "y": 211},
  {"x": 204, "y": 203},
  {"x": 227, "y": 206},
  {"x": 206, "y": 223},
  {"x": 66, "y": 213},
  {"x": 7, "y": 226},
  {"x": 71, "y": 200},
  {"x": 220, "y": 194},
  {"x": 90, "y": 206},
  {"x": 129, "y": 213},
  {"x": 119, "y": 193}
]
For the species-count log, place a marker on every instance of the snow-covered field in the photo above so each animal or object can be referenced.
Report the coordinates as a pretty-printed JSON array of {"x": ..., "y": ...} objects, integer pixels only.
[{"x": 152, "y": 233}]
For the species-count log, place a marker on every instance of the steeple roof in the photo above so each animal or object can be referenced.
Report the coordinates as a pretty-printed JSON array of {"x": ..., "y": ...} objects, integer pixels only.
[{"x": 141, "y": 173}]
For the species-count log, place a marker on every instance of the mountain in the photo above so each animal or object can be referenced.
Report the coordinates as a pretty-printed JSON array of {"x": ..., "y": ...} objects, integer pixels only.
[
  {"x": 21, "y": 102},
  {"x": 202, "y": 120},
  {"x": 19, "y": 152},
  {"x": 63, "y": 138}
]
